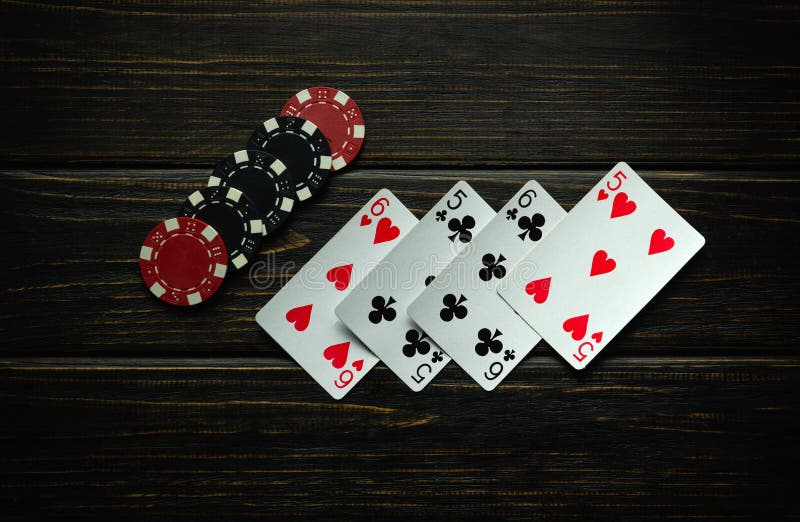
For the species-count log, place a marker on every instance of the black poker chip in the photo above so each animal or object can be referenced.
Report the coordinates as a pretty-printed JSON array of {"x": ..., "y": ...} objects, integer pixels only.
[
  {"x": 233, "y": 215},
  {"x": 301, "y": 146},
  {"x": 264, "y": 179}
]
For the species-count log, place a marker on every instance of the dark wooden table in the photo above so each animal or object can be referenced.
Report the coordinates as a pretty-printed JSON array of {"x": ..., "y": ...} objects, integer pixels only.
[{"x": 115, "y": 406}]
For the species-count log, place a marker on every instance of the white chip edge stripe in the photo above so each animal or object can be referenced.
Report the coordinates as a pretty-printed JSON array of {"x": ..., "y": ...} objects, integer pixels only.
[
  {"x": 325, "y": 162},
  {"x": 256, "y": 226},
  {"x": 241, "y": 156},
  {"x": 157, "y": 289},
  {"x": 239, "y": 261},
  {"x": 209, "y": 233},
  {"x": 342, "y": 98},
  {"x": 309, "y": 128},
  {"x": 287, "y": 204},
  {"x": 171, "y": 224},
  {"x": 234, "y": 194},
  {"x": 214, "y": 181},
  {"x": 303, "y": 194},
  {"x": 146, "y": 253},
  {"x": 195, "y": 198},
  {"x": 278, "y": 166},
  {"x": 339, "y": 163},
  {"x": 220, "y": 270},
  {"x": 271, "y": 124},
  {"x": 358, "y": 131},
  {"x": 303, "y": 96},
  {"x": 194, "y": 298}
]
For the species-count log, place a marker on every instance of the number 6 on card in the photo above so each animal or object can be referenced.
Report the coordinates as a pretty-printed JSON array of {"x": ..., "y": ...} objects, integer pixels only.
[{"x": 300, "y": 317}]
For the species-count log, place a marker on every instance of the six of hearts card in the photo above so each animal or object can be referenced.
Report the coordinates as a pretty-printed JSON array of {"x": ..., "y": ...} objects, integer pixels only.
[{"x": 477, "y": 287}]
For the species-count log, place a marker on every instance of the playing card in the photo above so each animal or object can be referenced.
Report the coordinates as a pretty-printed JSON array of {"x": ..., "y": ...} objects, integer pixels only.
[
  {"x": 300, "y": 317},
  {"x": 376, "y": 309},
  {"x": 613, "y": 252},
  {"x": 461, "y": 310}
]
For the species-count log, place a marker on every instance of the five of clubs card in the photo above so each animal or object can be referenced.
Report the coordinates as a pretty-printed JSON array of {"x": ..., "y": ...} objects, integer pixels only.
[{"x": 479, "y": 288}]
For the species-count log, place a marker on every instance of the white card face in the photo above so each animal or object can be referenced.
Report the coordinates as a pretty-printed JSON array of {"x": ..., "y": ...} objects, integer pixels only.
[
  {"x": 376, "y": 309},
  {"x": 613, "y": 252},
  {"x": 300, "y": 317},
  {"x": 461, "y": 310}
]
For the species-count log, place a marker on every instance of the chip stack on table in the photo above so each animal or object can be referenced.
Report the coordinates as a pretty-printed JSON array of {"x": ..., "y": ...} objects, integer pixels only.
[{"x": 250, "y": 195}]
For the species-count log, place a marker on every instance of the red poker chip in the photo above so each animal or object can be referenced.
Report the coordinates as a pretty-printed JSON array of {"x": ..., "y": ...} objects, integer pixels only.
[
  {"x": 336, "y": 115},
  {"x": 183, "y": 261}
]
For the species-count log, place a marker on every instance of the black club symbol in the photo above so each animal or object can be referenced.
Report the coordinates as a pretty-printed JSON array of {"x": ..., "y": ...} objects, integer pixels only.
[
  {"x": 511, "y": 214},
  {"x": 440, "y": 215},
  {"x": 429, "y": 280},
  {"x": 453, "y": 308},
  {"x": 492, "y": 267},
  {"x": 415, "y": 344},
  {"x": 488, "y": 342},
  {"x": 530, "y": 227},
  {"x": 508, "y": 355},
  {"x": 461, "y": 229},
  {"x": 382, "y": 310},
  {"x": 436, "y": 357}
]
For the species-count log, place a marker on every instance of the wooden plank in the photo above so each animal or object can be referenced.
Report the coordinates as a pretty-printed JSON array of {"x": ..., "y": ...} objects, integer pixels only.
[
  {"x": 678, "y": 438},
  {"x": 466, "y": 83},
  {"x": 75, "y": 237}
]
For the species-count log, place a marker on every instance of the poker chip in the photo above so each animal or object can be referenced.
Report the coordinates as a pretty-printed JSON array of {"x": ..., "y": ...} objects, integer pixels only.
[
  {"x": 183, "y": 261},
  {"x": 264, "y": 179},
  {"x": 301, "y": 146},
  {"x": 337, "y": 115},
  {"x": 234, "y": 215}
]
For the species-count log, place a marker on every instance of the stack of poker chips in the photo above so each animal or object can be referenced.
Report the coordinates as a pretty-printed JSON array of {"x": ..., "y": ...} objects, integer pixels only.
[{"x": 250, "y": 195}]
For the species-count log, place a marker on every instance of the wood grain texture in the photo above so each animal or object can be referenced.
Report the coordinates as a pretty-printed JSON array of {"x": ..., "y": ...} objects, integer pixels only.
[
  {"x": 113, "y": 405},
  {"x": 73, "y": 285},
  {"x": 462, "y": 83},
  {"x": 662, "y": 439}
]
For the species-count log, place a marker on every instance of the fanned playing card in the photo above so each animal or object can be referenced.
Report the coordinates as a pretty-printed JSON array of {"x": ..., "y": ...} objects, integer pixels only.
[
  {"x": 376, "y": 309},
  {"x": 461, "y": 310},
  {"x": 610, "y": 256},
  {"x": 300, "y": 317}
]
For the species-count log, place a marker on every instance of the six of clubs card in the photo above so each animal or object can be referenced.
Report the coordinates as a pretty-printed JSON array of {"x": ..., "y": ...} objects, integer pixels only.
[
  {"x": 376, "y": 309},
  {"x": 461, "y": 310},
  {"x": 610, "y": 256},
  {"x": 300, "y": 317}
]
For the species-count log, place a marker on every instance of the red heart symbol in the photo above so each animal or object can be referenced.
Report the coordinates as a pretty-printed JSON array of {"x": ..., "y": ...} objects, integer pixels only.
[
  {"x": 597, "y": 337},
  {"x": 358, "y": 364},
  {"x": 340, "y": 276},
  {"x": 602, "y": 264},
  {"x": 602, "y": 195},
  {"x": 577, "y": 325},
  {"x": 660, "y": 242},
  {"x": 385, "y": 231},
  {"x": 622, "y": 206},
  {"x": 365, "y": 220},
  {"x": 539, "y": 289},
  {"x": 300, "y": 317},
  {"x": 337, "y": 354}
]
